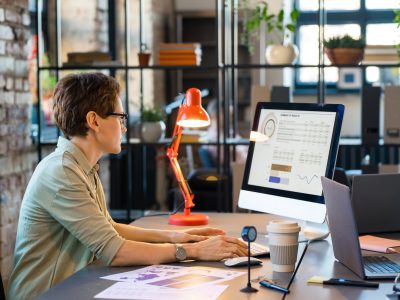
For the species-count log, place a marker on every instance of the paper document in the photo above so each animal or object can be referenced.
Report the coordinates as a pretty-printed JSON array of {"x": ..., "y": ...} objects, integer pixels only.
[
  {"x": 378, "y": 244},
  {"x": 129, "y": 290},
  {"x": 175, "y": 277},
  {"x": 168, "y": 282}
]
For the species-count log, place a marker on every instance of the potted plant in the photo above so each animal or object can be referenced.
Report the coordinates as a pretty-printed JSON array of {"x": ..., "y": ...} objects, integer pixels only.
[
  {"x": 144, "y": 55},
  {"x": 344, "y": 50},
  {"x": 152, "y": 126},
  {"x": 276, "y": 25}
]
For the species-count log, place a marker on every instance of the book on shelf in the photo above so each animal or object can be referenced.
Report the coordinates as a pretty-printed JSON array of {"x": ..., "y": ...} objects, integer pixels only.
[
  {"x": 88, "y": 57},
  {"x": 194, "y": 136},
  {"x": 380, "y": 49},
  {"x": 181, "y": 52},
  {"x": 169, "y": 60},
  {"x": 111, "y": 63},
  {"x": 380, "y": 61},
  {"x": 179, "y": 46},
  {"x": 179, "y": 56},
  {"x": 194, "y": 61},
  {"x": 381, "y": 56},
  {"x": 179, "y": 62}
]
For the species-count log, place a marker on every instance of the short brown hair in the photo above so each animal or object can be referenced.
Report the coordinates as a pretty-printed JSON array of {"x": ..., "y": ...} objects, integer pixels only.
[{"x": 77, "y": 94}]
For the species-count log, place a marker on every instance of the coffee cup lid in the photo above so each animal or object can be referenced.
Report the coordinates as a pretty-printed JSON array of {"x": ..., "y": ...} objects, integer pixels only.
[{"x": 281, "y": 226}]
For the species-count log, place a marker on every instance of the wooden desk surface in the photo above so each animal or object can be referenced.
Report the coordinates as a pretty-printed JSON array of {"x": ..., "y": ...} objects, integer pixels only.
[{"x": 318, "y": 260}]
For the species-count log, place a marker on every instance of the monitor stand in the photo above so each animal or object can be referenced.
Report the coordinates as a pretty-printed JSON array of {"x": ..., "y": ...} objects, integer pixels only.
[{"x": 311, "y": 231}]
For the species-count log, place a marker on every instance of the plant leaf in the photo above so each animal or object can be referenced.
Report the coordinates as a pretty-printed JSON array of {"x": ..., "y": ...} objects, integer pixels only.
[
  {"x": 294, "y": 15},
  {"x": 280, "y": 16},
  {"x": 290, "y": 27}
]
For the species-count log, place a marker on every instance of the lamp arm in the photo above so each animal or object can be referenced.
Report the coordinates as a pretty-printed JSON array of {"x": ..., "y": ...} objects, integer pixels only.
[{"x": 172, "y": 153}]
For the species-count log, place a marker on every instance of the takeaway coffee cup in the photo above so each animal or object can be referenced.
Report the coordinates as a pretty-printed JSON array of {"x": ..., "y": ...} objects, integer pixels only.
[{"x": 283, "y": 243}]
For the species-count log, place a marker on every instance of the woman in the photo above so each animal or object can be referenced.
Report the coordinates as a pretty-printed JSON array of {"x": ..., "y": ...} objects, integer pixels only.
[{"x": 64, "y": 223}]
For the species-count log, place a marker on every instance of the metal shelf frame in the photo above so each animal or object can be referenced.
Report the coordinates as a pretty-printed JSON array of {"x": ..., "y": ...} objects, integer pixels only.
[{"x": 226, "y": 72}]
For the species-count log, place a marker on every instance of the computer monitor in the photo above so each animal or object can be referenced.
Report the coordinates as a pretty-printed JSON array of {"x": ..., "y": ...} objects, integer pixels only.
[{"x": 291, "y": 146}]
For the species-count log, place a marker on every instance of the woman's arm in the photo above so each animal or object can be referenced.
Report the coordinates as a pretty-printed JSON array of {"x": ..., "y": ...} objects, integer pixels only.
[
  {"x": 138, "y": 234},
  {"x": 214, "y": 248}
]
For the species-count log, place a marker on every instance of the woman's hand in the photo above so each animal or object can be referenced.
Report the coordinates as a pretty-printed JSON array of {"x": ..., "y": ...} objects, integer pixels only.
[
  {"x": 195, "y": 235},
  {"x": 216, "y": 248},
  {"x": 207, "y": 231}
]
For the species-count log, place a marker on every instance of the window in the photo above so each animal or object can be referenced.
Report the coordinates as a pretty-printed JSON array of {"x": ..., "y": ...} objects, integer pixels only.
[
  {"x": 308, "y": 45},
  {"x": 312, "y": 5},
  {"x": 386, "y": 4},
  {"x": 368, "y": 18}
]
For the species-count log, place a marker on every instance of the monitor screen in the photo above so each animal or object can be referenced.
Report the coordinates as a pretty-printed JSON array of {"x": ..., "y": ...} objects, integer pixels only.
[{"x": 291, "y": 147}]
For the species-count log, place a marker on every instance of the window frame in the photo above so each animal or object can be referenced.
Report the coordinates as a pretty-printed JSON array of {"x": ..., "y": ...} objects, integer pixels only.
[{"x": 362, "y": 17}]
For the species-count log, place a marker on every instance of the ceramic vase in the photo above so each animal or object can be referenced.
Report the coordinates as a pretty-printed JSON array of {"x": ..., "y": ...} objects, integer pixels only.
[
  {"x": 281, "y": 54},
  {"x": 152, "y": 132}
]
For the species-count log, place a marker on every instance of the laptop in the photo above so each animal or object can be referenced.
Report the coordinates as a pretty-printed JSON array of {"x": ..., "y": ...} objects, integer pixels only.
[
  {"x": 376, "y": 205},
  {"x": 346, "y": 246}
]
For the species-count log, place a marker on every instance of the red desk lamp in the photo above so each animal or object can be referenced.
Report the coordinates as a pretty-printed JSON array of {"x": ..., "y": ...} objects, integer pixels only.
[{"x": 190, "y": 114}]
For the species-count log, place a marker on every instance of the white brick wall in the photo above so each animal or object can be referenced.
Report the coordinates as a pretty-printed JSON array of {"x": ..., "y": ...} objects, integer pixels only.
[
  {"x": 6, "y": 64},
  {"x": 19, "y": 84},
  {"x": 83, "y": 29},
  {"x": 13, "y": 17},
  {"x": 3, "y": 129},
  {"x": 2, "y": 114},
  {"x": 2, "y": 47},
  {"x": 21, "y": 67},
  {"x": 26, "y": 20},
  {"x": 2, "y": 17},
  {"x": 17, "y": 158},
  {"x": 9, "y": 83},
  {"x": 2, "y": 81},
  {"x": 22, "y": 98},
  {"x": 6, "y": 32},
  {"x": 7, "y": 97}
]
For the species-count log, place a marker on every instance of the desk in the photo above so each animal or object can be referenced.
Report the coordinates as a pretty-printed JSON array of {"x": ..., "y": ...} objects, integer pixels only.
[{"x": 318, "y": 260}]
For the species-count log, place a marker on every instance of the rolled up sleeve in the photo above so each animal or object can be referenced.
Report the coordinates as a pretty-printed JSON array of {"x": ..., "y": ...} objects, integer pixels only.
[{"x": 75, "y": 207}]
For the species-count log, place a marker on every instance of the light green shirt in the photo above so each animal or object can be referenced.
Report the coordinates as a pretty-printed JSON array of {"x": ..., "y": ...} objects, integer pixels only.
[{"x": 63, "y": 223}]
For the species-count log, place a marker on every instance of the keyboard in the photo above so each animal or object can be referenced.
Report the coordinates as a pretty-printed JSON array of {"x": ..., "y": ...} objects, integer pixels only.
[
  {"x": 257, "y": 249},
  {"x": 380, "y": 265}
]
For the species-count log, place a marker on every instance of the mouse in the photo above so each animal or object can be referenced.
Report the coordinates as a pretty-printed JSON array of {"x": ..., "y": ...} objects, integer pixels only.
[{"x": 241, "y": 261}]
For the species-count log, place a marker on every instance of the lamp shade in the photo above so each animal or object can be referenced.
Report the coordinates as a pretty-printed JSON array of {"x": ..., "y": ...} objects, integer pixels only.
[{"x": 191, "y": 113}]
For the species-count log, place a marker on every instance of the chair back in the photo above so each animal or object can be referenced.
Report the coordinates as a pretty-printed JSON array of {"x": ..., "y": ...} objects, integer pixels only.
[
  {"x": 340, "y": 176},
  {"x": 206, "y": 158}
]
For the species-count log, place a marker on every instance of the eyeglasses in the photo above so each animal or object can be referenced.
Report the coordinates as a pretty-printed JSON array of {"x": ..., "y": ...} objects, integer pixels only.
[{"x": 123, "y": 117}]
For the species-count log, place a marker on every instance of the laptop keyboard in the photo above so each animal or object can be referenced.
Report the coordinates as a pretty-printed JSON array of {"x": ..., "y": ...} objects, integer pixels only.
[{"x": 380, "y": 264}]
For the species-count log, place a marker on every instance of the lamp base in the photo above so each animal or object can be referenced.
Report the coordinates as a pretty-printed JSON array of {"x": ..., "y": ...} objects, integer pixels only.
[
  {"x": 249, "y": 289},
  {"x": 188, "y": 220}
]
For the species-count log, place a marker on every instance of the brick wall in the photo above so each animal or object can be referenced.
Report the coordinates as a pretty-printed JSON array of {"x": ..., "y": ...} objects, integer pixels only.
[{"x": 17, "y": 156}]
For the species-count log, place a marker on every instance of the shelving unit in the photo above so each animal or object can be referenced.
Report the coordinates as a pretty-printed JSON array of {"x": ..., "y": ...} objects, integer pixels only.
[
  {"x": 132, "y": 163},
  {"x": 220, "y": 72}
]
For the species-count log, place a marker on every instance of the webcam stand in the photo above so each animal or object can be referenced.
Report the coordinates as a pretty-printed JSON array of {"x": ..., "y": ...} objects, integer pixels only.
[{"x": 248, "y": 288}]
